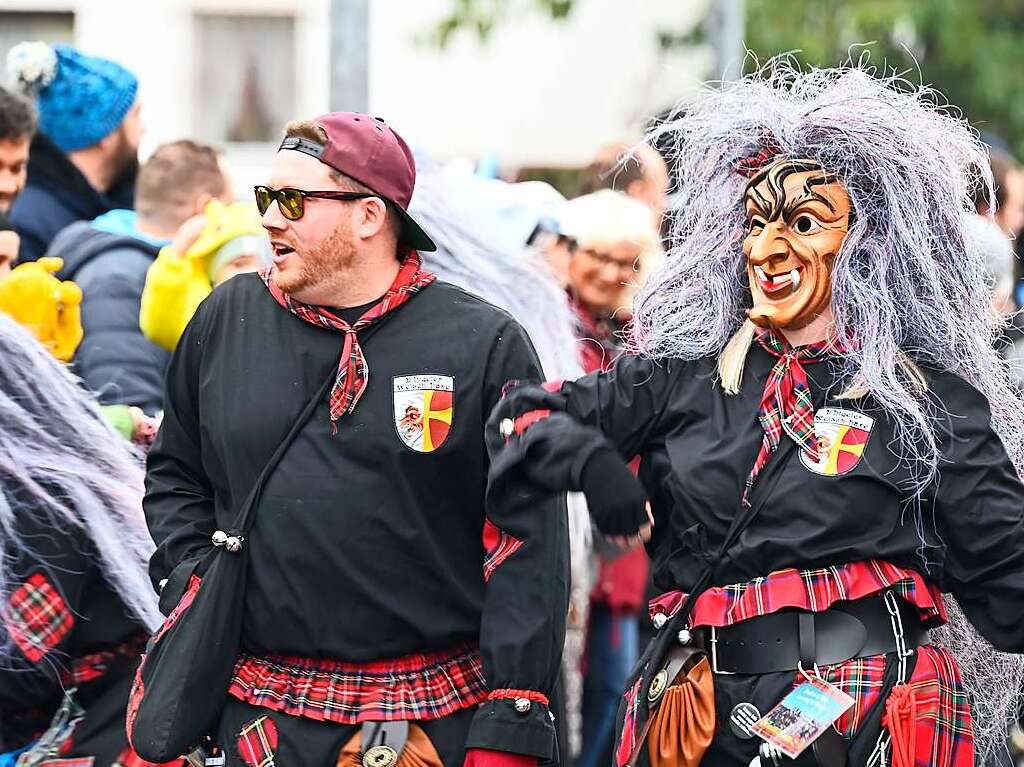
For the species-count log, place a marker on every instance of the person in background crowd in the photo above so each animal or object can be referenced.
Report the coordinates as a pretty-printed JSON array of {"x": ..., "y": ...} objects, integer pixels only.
[
  {"x": 84, "y": 157},
  {"x": 17, "y": 126},
  {"x": 223, "y": 241},
  {"x": 9, "y": 242},
  {"x": 76, "y": 604},
  {"x": 614, "y": 234},
  {"x": 481, "y": 228},
  {"x": 109, "y": 257},
  {"x": 636, "y": 171},
  {"x": 390, "y": 585}
]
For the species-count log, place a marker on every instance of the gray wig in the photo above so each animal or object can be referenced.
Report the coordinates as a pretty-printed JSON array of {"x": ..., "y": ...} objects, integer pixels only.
[
  {"x": 517, "y": 279},
  {"x": 908, "y": 282},
  {"x": 62, "y": 462}
]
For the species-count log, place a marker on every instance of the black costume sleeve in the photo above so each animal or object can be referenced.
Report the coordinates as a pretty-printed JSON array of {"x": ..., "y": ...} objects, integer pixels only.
[
  {"x": 179, "y": 500},
  {"x": 980, "y": 504},
  {"x": 527, "y": 593},
  {"x": 596, "y": 424}
]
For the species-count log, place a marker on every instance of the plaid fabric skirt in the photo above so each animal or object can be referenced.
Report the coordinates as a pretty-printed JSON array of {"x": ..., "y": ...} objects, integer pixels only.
[
  {"x": 415, "y": 687},
  {"x": 941, "y": 734}
]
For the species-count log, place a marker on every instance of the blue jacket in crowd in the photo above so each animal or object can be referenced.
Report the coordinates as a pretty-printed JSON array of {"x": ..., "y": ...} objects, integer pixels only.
[{"x": 108, "y": 258}]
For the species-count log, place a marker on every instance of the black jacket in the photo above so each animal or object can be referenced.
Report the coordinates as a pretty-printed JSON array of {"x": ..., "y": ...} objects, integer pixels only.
[
  {"x": 57, "y": 194},
  {"x": 115, "y": 360},
  {"x": 86, "y": 640},
  {"x": 698, "y": 444},
  {"x": 364, "y": 548}
]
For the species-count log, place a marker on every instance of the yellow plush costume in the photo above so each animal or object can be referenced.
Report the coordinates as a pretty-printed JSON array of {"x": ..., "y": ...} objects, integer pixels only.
[
  {"x": 47, "y": 307},
  {"x": 175, "y": 286}
]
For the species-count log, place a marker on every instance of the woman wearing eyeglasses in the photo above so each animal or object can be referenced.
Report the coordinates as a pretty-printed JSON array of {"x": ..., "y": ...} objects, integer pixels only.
[{"x": 615, "y": 238}]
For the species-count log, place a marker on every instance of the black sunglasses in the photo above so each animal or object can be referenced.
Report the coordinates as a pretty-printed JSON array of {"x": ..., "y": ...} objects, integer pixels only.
[{"x": 291, "y": 202}]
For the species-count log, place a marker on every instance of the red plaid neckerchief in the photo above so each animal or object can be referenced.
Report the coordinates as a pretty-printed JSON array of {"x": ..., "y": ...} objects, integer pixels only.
[
  {"x": 786, "y": 404},
  {"x": 353, "y": 373}
]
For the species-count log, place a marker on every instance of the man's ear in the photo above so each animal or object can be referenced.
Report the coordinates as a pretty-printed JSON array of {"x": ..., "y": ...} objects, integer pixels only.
[{"x": 374, "y": 217}]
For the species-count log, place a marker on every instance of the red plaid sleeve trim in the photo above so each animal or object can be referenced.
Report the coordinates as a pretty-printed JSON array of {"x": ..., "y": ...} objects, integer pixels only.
[
  {"x": 421, "y": 686},
  {"x": 95, "y": 665},
  {"x": 814, "y": 590},
  {"x": 943, "y": 735},
  {"x": 498, "y": 546},
  {"x": 37, "y": 617}
]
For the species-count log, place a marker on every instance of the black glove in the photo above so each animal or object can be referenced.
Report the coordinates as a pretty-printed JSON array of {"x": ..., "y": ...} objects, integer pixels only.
[
  {"x": 615, "y": 497},
  {"x": 559, "y": 454}
]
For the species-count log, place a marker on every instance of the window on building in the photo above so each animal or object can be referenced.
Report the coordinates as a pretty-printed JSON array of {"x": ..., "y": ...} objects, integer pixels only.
[{"x": 244, "y": 87}]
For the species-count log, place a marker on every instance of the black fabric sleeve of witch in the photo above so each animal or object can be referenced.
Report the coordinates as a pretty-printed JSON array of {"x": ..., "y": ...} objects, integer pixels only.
[
  {"x": 527, "y": 593},
  {"x": 179, "y": 500},
  {"x": 27, "y": 683},
  {"x": 980, "y": 505},
  {"x": 628, "y": 403}
]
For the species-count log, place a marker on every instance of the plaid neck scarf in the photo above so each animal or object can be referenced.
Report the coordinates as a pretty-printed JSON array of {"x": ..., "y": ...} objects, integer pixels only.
[
  {"x": 353, "y": 373},
  {"x": 786, "y": 405}
]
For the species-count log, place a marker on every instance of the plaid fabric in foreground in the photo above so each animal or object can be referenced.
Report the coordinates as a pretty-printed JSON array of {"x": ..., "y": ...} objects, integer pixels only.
[
  {"x": 37, "y": 617},
  {"x": 414, "y": 687},
  {"x": 813, "y": 589},
  {"x": 942, "y": 734}
]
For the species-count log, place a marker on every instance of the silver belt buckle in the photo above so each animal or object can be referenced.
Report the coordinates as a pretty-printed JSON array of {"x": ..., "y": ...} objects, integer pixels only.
[{"x": 713, "y": 641}]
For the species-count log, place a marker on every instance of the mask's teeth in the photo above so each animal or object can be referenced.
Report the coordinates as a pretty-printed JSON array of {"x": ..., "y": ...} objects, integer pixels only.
[
  {"x": 760, "y": 273},
  {"x": 794, "y": 276}
]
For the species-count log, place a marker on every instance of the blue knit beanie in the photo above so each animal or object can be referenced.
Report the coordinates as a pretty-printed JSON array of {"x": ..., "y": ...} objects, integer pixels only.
[{"x": 81, "y": 99}]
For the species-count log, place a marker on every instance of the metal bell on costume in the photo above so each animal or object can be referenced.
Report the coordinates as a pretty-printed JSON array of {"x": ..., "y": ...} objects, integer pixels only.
[
  {"x": 522, "y": 705},
  {"x": 233, "y": 544},
  {"x": 219, "y": 538}
]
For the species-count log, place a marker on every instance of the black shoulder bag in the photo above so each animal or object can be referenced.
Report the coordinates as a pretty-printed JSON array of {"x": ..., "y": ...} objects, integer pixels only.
[{"x": 183, "y": 677}]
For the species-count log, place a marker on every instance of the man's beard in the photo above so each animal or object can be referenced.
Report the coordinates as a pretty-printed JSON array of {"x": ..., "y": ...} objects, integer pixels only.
[{"x": 320, "y": 264}]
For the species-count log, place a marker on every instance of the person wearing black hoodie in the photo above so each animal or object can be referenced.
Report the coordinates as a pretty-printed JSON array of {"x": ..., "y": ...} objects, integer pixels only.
[{"x": 108, "y": 258}]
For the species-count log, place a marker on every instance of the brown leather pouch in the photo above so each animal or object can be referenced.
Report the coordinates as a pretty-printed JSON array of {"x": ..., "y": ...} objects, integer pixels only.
[
  {"x": 681, "y": 722},
  {"x": 417, "y": 751}
]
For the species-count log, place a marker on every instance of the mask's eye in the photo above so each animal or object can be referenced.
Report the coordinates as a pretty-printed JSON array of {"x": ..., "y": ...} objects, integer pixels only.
[
  {"x": 805, "y": 224},
  {"x": 755, "y": 225}
]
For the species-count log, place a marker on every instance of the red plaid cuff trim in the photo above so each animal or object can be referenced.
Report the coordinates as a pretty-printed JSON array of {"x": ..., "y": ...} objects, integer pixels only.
[
  {"x": 498, "y": 546},
  {"x": 37, "y": 617},
  {"x": 507, "y": 693}
]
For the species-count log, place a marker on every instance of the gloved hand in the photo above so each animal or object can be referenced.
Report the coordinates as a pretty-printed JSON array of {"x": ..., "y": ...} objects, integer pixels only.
[
  {"x": 559, "y": 454},
  {"x": 47, "y": 307}
]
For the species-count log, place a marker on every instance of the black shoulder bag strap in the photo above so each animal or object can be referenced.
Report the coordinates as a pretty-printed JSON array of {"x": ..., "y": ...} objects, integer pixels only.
[
  {"x": 244, "y": 520},
  {"x": 651, "y": 662}
]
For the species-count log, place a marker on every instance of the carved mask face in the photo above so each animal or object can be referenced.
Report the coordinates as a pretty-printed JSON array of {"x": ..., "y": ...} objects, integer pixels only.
[{"x": 797, "y": 218}]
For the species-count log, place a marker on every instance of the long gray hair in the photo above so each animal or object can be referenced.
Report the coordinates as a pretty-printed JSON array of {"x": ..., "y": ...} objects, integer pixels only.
[
  {"x": 908, "y": 282},
  {"x": 456, "y": 214},
  {"x": 61, "y": 462}
]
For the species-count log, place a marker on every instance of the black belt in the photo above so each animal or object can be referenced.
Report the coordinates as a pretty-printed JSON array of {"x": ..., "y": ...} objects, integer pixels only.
[{"x": 786, "y": 641}]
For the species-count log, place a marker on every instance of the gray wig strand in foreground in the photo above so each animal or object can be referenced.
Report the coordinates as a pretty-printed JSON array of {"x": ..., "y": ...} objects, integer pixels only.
[{"x": 62, "y": 462}]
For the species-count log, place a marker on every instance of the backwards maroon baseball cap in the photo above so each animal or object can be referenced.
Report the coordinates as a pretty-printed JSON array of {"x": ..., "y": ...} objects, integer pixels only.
[{"x": 366, "y": 149}]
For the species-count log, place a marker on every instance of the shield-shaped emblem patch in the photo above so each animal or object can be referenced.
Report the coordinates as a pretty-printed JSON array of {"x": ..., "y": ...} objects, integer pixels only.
[
  {"x": 424, "y": 409},
  {"x": 842, "y": 438}
]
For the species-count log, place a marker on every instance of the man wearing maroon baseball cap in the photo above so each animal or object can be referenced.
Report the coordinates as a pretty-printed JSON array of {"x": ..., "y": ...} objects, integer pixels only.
[{"x": 391, "y": 609}]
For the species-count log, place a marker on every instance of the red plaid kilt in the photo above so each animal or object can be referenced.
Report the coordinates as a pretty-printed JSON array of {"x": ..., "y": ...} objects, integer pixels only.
[
  {"x": 414, "y": 687},
  {"x": 943, "y": 736},
  {"x": 37, "y": 617}
]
